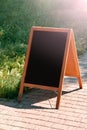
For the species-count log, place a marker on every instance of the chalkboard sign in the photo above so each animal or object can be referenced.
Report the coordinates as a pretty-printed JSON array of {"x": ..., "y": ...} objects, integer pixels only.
[{"x": 46, "y": 59}]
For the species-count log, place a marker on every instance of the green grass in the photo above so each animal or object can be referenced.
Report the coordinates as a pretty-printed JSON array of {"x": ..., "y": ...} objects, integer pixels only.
[
  {"x": 16, "y": 19},
  {"x": 11, "y": 68}
]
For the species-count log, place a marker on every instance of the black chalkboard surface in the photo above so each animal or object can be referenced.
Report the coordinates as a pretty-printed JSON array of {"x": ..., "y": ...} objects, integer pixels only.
[{"x": 46, "y": 58}]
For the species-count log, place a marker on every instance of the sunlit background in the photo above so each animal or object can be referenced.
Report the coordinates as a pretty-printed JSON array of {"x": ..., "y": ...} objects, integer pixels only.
[
  {"x": 16, "y": 19},
  {"x": 23, "y": 14}
]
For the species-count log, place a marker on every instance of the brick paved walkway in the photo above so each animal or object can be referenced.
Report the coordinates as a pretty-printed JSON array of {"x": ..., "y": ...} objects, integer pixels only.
[{"x": 37, "y": 109}]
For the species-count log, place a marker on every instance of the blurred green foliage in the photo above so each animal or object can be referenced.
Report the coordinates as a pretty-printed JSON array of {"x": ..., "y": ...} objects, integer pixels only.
[{"x": 16, "y": 19}]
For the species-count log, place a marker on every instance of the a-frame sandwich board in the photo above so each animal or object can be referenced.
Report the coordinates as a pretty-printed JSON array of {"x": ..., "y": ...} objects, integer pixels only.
[{"x": 48, "y": 58}]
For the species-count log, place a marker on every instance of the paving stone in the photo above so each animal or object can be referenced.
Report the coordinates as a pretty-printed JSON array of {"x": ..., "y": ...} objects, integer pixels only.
[{"x": 37, "y": 109}]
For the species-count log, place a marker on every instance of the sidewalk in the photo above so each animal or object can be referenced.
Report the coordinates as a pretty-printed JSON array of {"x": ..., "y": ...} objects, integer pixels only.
[{"x": 37, "y": 109}]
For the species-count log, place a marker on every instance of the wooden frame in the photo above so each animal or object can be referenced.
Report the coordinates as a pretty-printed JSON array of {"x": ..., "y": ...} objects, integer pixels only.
[{"x": 67, "y": 59}]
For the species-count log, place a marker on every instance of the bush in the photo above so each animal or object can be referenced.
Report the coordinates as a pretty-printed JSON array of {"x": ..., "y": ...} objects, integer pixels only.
[{"x": 16, "y": 19}]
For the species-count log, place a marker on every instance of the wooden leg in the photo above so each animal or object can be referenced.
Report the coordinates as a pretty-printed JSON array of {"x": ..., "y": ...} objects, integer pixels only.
[
  {"x": 58, "y": 100},
  {"x": 20, "y": 93},
  {"x": 80, "y": 82}
]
